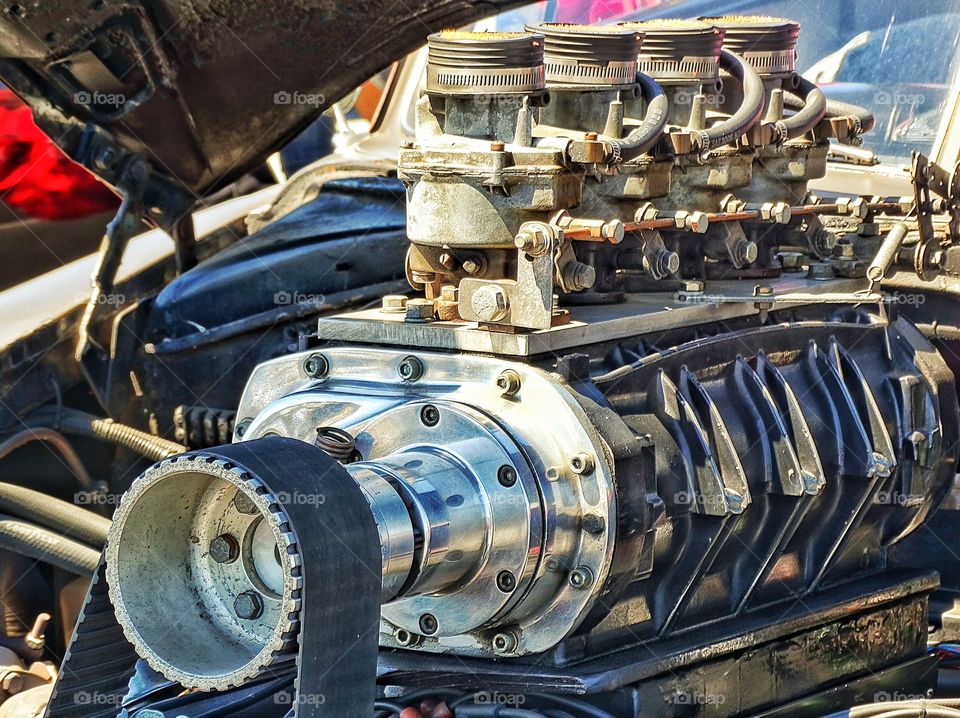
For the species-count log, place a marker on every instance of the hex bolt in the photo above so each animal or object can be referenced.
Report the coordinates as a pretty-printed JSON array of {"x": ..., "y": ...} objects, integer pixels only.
[
  {"x": 490, "y": 302},
  {"x": 224, "y": 549},
  {"x": 578, "y": 276},
  {"x": 410, "y": 369},
  {"x": 449, "y": 293},
  {"x": 581, "y": 578},
  {"x": 593, "y": 524},
  {"x": 581, "y": 463},
  {"x": 691, "y": 286},
  {"x": 697, "y": 222},
  {"x": 316, "y": 366},
  {"x": 743, "y": 252},
  {"x": 244, "y": 504},
  {"x": 508, "y": 383},
  {"x": 612, "y": 231},
  {"x": 666, "y": 262},
  {"x": 248, "y": 605},
  {"x": 507, "y": 475},
  {"x": 242, "y": 427},
  {"x": 420, "y": 311},
  {"x": 505, "y": 643},
  {"x": 471, "y": 266},
  {"x": 506, "y": 581},
  {"x": 428, "y": 624},
  {"x": 430, "y": 415},
  {"x": 405, "y": 638},
  {"x": 394, "y": 304},
  {"x": 534, "y": 239}
]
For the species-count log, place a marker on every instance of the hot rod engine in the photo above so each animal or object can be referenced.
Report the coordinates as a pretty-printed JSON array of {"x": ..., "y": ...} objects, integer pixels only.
[{"x": 644, "y": 435}]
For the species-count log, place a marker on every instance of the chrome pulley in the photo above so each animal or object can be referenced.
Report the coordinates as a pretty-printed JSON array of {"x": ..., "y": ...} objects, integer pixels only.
[
  {"x": 221, "y": 567},
  {"x": 203, "y": 571}
]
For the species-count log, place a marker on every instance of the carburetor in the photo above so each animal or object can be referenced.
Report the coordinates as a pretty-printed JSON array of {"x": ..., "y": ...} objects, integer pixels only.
[{"x": 567, "y": 164}]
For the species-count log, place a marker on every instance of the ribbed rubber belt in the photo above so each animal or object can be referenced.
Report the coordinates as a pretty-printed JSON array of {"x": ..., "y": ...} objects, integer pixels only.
[{"x": 339, "y": 547}]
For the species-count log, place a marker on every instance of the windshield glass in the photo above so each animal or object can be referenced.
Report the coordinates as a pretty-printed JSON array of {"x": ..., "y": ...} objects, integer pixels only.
[{"x": 894, "y": 57}]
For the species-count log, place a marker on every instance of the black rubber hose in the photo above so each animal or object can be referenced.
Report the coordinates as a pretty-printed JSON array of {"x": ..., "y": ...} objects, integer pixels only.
[
  {"x": 56, "y": 440},
  {"x": 747, "y": 115},
  {"x": 643, "y": 138},
  {"x": 44, "y": 545},
  {"x": 864, "y": 118},
  {"x": 39, "y": 508},
  {"x": 72, "y": 421},
  {"x": 806, "y": 118}
]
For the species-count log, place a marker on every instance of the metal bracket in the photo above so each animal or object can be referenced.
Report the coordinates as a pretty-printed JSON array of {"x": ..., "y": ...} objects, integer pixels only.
[{"x": 132, "y": 183}]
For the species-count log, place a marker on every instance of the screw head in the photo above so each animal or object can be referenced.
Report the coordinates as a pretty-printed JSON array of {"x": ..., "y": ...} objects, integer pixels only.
[
  {"x": 509, "y": 383},
  {"x": 490, "y": 302},
  {"x": 410, "y": 369},
  {"x": 593, "y": 524},
  {"x": 316, "y": 366},
  {"x": 430, "y": 415},
  {"x": 581, "y": 578},
  {"x": 507, "y": 475},
  {"x": 581, "y": 463},
  {"x": 506, "y": 581},
  {"x": 428, "y": 624},
  {"x": 505, "y": 643},
  {"x": 471, "y": 266},
  {"x": 224, "y": 549},
  {"x": 248, "y": 605}
]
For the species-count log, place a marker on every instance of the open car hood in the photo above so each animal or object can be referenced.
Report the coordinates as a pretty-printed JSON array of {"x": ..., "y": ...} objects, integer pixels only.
[{"x": 204, "y": 90}]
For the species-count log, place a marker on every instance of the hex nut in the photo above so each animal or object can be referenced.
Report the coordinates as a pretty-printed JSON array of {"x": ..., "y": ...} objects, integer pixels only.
[
  {"x": 508, "y": 383},
  {"x": 12, "y": 683},
  {"x": 593, "y": 524},
  {"x": 612, "y": 231},
  {"x": 490, "y": 303},
  {"x": 394, "y": 304},
  {"x": 691, "y": 286},
  {"x": 248, "y": 605},
  {"x": 534, "y": 239},
  {"x": 449, "y": 293},
  {"x": 224, "y": 549},
  {"x": 697, "y": 222},
  {"x": 420, "y": 310}
]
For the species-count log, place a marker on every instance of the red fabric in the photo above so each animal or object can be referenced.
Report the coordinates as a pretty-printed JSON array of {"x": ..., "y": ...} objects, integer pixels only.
[
  {"x": 594, "y": 11},
  {"x": 36, "y": 178}
]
